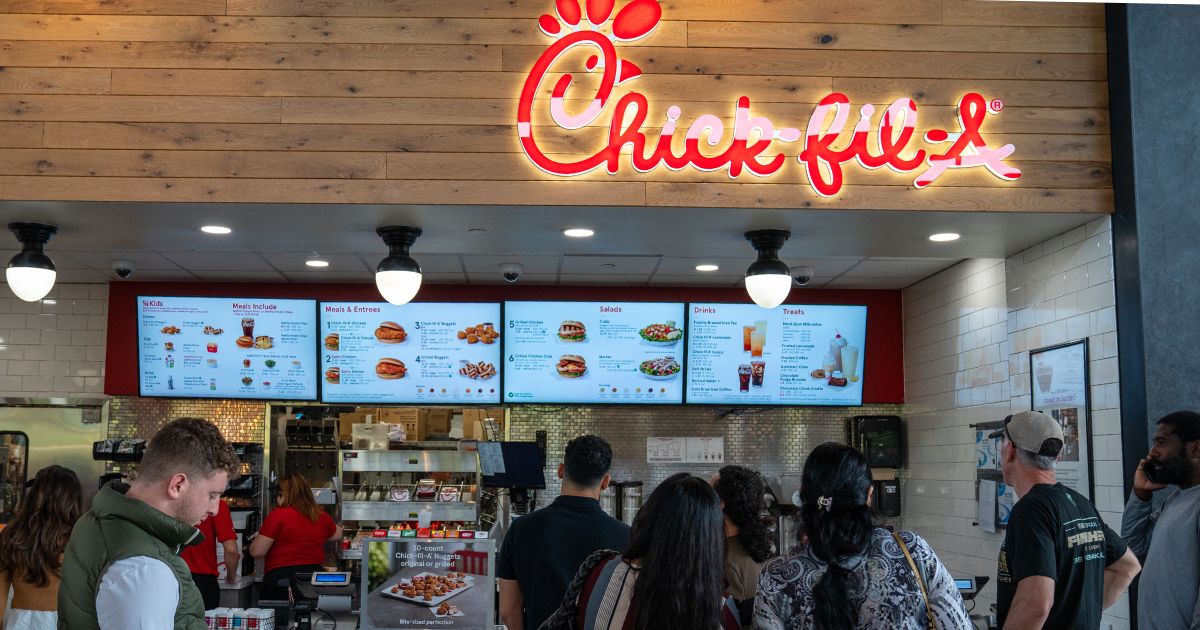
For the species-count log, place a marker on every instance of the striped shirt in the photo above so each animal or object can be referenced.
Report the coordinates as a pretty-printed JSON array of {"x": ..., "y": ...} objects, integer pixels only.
[{"x": 607, "y": 602}]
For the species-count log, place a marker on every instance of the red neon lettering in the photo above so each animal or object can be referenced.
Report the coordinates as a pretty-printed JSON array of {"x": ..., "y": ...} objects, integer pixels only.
[{"x": 748, "y": 146}]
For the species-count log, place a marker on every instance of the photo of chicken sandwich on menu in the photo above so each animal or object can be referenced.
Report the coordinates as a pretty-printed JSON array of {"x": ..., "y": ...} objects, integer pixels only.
[
  {"x": 332, "y": 341},
  {"x": 333, "y": 375},
  {"x": 389, "y": 368},
  {"x": 571, "y": 330},
  {"x": 571, "y": 366},
  {"x": 390, "y": 332}
]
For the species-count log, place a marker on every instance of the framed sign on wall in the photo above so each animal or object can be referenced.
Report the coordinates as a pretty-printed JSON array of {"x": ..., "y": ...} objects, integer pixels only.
[{"x": 1059, "y": 387}]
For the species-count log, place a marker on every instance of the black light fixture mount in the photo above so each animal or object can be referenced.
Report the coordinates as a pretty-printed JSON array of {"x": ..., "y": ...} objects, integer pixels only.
[
  {"x": 768, "y": 279},
  {"x": 398, "y": 276}
]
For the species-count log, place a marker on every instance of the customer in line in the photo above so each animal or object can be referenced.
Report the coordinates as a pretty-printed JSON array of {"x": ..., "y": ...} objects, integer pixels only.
[
  {"x": 293, "y": 536},
  {"x": 542, "y": 551},
  {"x": 1060, "y": 564},
  {"x": 747, "y": 537},
  {"x": 669, "y": 577},
  {"x": 852, "y": 574},
  {"x": 122, "y": 568},
  {"x": 202, "y": 558},
  {"x": 1167, "y": 540},
  {"x": 31, "y": 549}
]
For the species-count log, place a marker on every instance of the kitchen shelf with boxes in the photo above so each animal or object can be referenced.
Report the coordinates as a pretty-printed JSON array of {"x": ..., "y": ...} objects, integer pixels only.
[{"x": 428, "y": 486}]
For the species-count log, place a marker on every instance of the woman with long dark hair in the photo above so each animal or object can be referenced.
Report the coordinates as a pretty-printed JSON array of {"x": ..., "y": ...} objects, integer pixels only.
[
  {"x": 669, "y": 577},
  {"x": 31, "y": 549},
  {"x": 852, "y": 575},
  {"x": 292, "y": 537},
  {"x": 747, "y": 537}
]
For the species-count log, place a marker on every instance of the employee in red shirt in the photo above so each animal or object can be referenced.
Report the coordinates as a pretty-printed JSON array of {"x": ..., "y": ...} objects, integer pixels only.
[
  {"x": 202, "y": 559},
  {"x": 292, "y": 538}
]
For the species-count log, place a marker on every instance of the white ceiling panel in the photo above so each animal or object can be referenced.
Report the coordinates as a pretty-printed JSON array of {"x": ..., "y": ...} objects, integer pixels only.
[
  {"x": 440, "y": 278},
  {"x": 526, "y": 278},
  {"x": 80, "y": 276},
  {"x": 218, "y": 261},
  {"x": 603, "y": 278},
  {"x": 329, "y": 275},
  {"x": 696, "y": 279},
  {"x": 157, "y": 275},
  {"x": 294, "y": 261},
  {"x": 848, "y": 282},
  {"x": 241, "y": 276},
  {"x": 609, "y": 265},
  {"x": 491, "y": 264},
  {"x": 916, "y": 269},
  {"x": 142, "y": 260},
  {"x": 430, "y": 263}
]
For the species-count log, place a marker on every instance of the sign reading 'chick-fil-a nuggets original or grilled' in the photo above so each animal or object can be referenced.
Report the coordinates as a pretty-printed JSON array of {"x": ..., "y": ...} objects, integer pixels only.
[{"x": 748, "y": 146}]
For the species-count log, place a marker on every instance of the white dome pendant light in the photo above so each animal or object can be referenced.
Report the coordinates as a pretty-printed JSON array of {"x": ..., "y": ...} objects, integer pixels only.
[
  {"x": 31, "y": 273},
  {"x": 398, "y": 277},
  {"x": 768, "y": 280}
]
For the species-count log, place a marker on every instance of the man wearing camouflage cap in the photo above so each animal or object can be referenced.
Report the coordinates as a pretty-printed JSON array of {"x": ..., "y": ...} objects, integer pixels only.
[{"x": 1060, "y": 564}]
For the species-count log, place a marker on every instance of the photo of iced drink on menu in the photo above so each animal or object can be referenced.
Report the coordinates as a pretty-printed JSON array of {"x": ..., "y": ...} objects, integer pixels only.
[
  {"x": 757, "y": 369},
  {"x": 747, "y": 332},
  {"x": 744, "y": 378},
  {"x": 757, "y": 339},
  {"x": 850, "y": 363},
  {"x": 248, "y": 327}
]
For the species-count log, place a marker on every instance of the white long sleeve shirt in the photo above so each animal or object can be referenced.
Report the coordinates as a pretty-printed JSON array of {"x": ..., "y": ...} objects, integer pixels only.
[{"x": 139, "y": 593}]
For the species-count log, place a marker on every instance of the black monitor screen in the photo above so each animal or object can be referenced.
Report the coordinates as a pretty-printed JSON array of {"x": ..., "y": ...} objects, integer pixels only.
[{"x": 522, "y": 467}]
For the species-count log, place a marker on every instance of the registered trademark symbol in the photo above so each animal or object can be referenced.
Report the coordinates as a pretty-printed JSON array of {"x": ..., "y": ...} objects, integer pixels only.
[{"x": 996, "y": 105}]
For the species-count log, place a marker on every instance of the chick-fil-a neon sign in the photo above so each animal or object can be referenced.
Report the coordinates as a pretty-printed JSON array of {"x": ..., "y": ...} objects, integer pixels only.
[{"x": 748, "y": 147}]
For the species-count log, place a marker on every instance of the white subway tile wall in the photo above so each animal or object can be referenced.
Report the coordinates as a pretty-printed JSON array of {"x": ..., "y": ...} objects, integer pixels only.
[
  {"x": 54, "y": 347},
  {"x": 967, "y": 336}
]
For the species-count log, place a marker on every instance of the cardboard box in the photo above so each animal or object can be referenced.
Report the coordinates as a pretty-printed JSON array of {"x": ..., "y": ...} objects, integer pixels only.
[
  {"x": 401, "y": 415},
  {"x": 345, "y": 423},
  {"x": 472, "y": 422},
  {"x": 439, "y": 421}
]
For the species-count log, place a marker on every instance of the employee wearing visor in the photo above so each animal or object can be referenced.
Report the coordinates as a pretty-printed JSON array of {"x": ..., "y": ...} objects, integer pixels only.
[{"x": 1060, "y": 564}]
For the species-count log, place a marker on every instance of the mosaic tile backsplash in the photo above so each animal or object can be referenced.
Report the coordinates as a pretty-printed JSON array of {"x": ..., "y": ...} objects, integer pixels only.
[{"x": 772, "y": 441}]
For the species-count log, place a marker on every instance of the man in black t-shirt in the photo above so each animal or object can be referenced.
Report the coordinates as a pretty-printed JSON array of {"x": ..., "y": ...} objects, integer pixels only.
[
  {"x": 542, "y": 551},
  {"x": 1060, "y": 565}
]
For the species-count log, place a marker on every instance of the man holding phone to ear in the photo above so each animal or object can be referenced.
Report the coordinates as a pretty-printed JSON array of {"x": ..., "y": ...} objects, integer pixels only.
[{"x": 1168, "y": 539}]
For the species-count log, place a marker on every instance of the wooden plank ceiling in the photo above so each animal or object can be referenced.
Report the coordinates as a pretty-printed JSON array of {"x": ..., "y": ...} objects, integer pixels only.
[{"x": 414, "y": 102}]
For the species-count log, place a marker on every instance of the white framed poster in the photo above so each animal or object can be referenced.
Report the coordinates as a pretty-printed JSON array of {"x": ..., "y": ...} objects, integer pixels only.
[{"x": 1059, "y": 387}]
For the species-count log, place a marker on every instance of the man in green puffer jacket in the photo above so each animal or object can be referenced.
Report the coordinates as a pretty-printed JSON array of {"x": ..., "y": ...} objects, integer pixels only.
[{"x": 122, "y": 569}]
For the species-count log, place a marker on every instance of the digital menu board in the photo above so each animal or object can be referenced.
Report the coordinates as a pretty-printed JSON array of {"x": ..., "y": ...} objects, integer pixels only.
[
  {"x": 418, "y": 353},
  {"x": 593, "y": 352},
  {"x": 740, "y": 354},
  {"x": 227, "y": 348}
]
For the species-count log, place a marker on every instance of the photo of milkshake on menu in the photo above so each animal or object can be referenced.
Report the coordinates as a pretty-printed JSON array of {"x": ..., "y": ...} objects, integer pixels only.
[{"x": 839, "y": 366}]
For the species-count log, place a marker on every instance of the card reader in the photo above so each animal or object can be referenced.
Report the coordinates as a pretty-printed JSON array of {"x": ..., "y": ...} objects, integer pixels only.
[{"x": 330, "y": 578}]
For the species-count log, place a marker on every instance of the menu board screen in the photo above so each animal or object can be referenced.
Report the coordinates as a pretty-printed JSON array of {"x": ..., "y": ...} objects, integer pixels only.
[
  {"x": 422, "y": 353},
  {"x": 227, "y": 348},
  {"x": 593, "y": 352},
  {"x": 740, "y": 354}
]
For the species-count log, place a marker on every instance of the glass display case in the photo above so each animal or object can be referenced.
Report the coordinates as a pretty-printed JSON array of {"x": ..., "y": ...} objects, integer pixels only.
[{"x": 424, "y": 486}]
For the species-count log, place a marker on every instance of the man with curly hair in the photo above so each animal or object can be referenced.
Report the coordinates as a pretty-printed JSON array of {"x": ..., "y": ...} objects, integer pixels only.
[{"x": 542, "y": 551}]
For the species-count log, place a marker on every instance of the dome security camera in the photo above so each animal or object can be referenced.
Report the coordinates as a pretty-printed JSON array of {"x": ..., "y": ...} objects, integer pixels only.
[
  {"x": 123, "y": 268},
  {"x": 803, "y": 275},
  {"x": 511, "y": 272}
]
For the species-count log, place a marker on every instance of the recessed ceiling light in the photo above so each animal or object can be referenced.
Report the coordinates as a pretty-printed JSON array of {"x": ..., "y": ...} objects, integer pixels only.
[
  {"x": 707, "y": 267},
  {"x": 608, "y": 266},
  {"x": 578, "y": 232},
  {"x": 477, "y": 231},
  {"x": 944, "y": 237},
  {"x": 215, "y": 229},
  {"x": 316, "y": 262},
  {"x": 51, "y": 302}
]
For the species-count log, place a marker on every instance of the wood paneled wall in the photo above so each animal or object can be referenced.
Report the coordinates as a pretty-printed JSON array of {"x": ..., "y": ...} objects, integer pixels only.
[{"x": 414, "y": 101}]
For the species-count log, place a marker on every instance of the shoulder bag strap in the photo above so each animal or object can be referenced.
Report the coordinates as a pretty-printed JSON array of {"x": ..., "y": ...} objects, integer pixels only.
[
  {"x": 567, "y": 615},
  {"x": 930, "y": 622}
]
